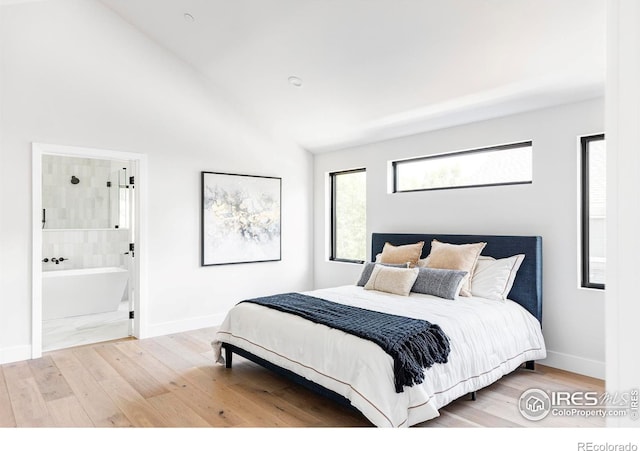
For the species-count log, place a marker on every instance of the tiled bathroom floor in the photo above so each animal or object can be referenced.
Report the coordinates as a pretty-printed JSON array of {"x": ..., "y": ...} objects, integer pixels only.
[{"x": 81, "y": 330}]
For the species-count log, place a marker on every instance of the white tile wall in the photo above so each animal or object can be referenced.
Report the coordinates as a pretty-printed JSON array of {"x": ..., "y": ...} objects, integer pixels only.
[
  {"x": 84, "y": 248},
  {"x": 80, "y": 218},
  {"x": 89, "y": 204}
]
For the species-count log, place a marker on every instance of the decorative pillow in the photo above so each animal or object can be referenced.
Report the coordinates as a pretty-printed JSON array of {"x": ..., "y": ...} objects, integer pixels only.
[
  {"x": 462, "y": 257},
  {"x": 392, "y": 280},
  {"x": 368, "y": 269},
  {"x": 444, "y": 283},
  {"x": 401, "y": 254},
  {"x": 493, "y": 279}
]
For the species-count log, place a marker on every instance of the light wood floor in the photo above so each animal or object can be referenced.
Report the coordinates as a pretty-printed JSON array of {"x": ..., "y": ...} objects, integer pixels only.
[{"x": 171, "y": 381}]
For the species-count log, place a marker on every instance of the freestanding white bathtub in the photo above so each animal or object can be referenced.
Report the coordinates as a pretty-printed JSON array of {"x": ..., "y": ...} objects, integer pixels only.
[{"x": 76, "y": 292}]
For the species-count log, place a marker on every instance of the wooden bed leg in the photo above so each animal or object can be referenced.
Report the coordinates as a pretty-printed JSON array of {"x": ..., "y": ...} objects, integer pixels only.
[
  {"x": 228, "y": 357},
  {"x": 473, "y": 396},
  {"x": 530, "y": 365}
]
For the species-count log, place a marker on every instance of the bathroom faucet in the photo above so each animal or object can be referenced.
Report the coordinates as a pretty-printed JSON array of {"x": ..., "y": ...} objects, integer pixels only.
[{"x": 56, "y": 260}]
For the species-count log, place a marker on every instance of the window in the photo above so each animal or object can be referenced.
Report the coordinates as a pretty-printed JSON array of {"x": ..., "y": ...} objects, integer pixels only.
[
  {"x": 349, "y": 215},
  {"x": 594, "y": 210},
  {"x": 499, "y": 165}
]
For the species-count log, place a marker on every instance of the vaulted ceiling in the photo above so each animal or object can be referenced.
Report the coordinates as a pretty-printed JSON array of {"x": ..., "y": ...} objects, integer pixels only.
[{"x": 377, "y": 69}]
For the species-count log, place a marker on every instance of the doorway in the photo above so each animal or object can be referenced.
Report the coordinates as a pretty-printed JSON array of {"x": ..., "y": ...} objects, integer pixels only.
[{"x": 88, "y": 210}]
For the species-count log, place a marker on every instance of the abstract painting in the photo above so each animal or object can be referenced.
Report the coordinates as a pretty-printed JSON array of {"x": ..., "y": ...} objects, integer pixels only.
[{"x": 240, "y": 218}]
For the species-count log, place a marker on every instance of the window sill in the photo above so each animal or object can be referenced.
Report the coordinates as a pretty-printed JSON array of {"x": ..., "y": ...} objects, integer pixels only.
[
  {"x": 593, "y": 289},
  {"x": 352, "y": 262}
]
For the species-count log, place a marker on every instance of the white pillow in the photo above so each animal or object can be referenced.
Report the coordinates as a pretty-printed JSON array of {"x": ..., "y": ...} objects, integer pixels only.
[
  {"x": 392, "y": 280},
  {"x": 493, "y": 279}
]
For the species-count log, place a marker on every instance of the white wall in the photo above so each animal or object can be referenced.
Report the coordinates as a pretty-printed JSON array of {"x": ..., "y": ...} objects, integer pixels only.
[
  {"x": 74, "y": 73},
  {"x": 623, "y": 210},
  {"x": 573, "y": 320}
]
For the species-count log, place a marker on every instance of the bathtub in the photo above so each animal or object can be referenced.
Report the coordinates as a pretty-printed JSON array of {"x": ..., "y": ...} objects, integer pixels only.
[{"x": 76, "y": 292}]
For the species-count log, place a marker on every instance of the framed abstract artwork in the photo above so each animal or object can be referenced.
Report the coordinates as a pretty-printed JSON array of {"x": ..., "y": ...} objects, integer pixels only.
[{"x": 241, "y": 218}]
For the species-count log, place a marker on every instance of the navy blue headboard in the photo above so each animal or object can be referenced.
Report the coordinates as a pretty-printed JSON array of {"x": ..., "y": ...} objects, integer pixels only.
[{"x": 527, "y": 288}]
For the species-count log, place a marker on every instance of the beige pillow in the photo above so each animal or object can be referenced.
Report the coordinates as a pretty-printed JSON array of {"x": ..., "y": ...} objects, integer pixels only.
[
  {"x": 392, "y": 280},
  {"x": 402, "y": 254},
  {"x": 463, "y": 257}
]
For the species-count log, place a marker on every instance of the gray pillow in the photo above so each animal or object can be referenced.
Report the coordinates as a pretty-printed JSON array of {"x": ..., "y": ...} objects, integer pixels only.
[
  {"x": 444, "y": 283},
  {"x": 368, "y": 269}
]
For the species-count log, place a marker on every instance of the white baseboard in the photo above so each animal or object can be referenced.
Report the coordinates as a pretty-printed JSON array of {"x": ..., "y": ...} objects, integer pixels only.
[
  {"x": 580, "y": 365},
  {"x": 172, "y": 327},
  {"x": 15, "y": 354}
]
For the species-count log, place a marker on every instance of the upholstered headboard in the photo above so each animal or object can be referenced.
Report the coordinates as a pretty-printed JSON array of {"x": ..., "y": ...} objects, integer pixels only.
[{"x": 527, "y": 288}]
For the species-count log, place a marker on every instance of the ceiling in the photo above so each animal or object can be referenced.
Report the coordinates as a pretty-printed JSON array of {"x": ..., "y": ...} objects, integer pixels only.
[{"x": 378, "y": 69}]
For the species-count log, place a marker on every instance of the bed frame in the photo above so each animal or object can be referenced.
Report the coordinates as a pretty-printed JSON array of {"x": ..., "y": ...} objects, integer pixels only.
[{"x": 526, "y": 290}]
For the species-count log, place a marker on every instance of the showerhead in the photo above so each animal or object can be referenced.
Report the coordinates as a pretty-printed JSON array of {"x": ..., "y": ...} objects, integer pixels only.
[{"x": 74, "y": 180}]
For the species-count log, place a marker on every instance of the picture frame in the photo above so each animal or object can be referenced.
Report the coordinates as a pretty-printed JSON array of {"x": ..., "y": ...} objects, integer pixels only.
[{"x": 241, "y": 218}]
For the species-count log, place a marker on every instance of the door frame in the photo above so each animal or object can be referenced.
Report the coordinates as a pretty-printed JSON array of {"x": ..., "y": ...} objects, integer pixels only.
[{"x": 140, "y": 260}]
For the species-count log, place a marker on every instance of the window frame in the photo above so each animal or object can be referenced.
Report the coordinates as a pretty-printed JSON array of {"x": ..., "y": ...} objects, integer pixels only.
[
  {"x": 395, "y": 163},
  {"x": 585, "y": 282},
  {"x": 333, "y": 224}
]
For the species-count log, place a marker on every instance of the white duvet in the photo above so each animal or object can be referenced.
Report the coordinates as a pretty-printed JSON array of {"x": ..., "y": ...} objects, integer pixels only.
[{"x": 488, "y": 340}]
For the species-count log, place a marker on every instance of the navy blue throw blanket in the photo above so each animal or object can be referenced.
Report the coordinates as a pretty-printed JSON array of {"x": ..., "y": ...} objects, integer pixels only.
[{"x": 414, "y": 344}]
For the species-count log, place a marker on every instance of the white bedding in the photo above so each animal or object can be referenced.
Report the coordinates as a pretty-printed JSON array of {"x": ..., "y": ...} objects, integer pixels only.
[{"x": 488, "y": 340}]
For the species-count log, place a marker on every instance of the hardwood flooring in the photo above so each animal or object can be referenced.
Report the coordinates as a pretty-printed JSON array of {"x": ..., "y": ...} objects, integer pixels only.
[{"x": 171, "y": 381}]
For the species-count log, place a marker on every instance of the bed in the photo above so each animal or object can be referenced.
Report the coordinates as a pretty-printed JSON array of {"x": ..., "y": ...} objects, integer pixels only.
[{"x": 488, "y": 338}]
